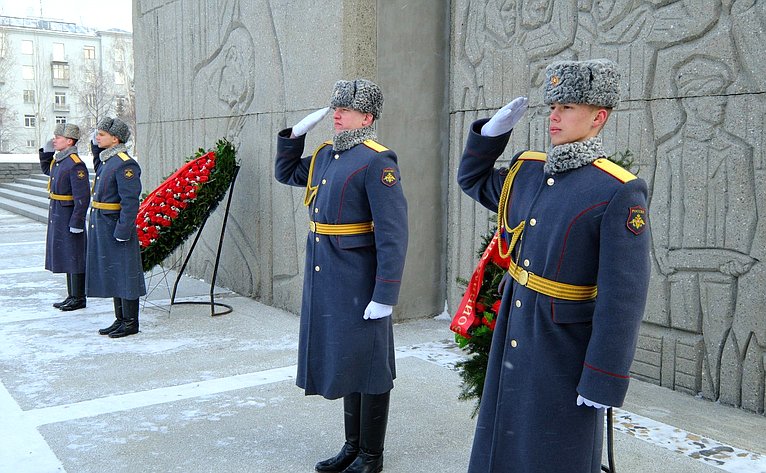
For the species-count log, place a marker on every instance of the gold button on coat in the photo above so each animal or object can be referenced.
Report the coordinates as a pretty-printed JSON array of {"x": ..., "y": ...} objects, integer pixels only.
[
  {"x": 526, "y": 262},
  {"x": 518, "y": 303},
  {"x": 532, "y": 222},
  {"x": 316, "y": 268},
  {"x": 514, "y": 343},
  {"x": 550, "y": 181}
]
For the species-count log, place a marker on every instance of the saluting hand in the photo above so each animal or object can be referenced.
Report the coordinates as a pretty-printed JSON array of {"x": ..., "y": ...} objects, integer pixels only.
[
  {"x": 48, "y": 147},
  {"x": 504, "y": 120},
  {"x": 310, "y": 121}
]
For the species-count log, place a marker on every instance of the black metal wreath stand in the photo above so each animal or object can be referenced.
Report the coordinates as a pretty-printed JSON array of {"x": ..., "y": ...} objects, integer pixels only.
[
  {"x": 212, "y": 303},
  {"x": 609, "y": 442}
]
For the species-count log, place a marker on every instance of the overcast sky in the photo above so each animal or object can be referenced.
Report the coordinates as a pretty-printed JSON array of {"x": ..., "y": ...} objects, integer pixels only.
[{"x": 99, "y": 14}]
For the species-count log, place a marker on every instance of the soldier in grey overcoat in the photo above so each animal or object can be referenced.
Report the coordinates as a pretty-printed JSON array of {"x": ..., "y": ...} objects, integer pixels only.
[
  {"x": 114, "y": 266},
  {"x": 355, "y": 251},
  {"x": 577, "y": 231},
  {"x": 69, "y": 194}
]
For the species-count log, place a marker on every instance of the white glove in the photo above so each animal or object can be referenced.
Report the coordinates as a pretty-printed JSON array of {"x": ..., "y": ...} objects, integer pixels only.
[
  {"x": 581, "y": 400},
  {"x": 505, "y": 118},
  {"x": 75, "y": 230},
  {"x": 310, "y": 121},
  {"x": 48, "y": 147},
  {"x": 377, "y": 311},
  {"x": 93, "y": 136}
]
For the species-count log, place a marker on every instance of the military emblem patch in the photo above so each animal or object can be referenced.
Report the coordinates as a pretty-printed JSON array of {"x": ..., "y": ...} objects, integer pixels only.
[
  {"x": 389, "y": 177},
  {"x": 129, "y": 173},
  {"x": 81, "y": 174},
  {"x": 555, "y": 80},
  {"x": 637, "y": 220}
]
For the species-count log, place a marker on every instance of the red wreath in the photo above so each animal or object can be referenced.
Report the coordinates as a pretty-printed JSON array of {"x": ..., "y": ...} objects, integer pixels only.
[{"x": 165, "y": 203}]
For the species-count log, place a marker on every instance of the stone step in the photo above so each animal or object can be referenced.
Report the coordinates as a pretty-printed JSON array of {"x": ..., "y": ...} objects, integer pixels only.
[
  {"x": 25, "y": 198},
  {"x": 30, "y": 189},
  {"x": 30, "y": 211}
]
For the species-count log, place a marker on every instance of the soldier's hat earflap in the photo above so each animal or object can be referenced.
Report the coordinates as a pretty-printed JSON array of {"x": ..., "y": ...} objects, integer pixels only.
[
  {"x": 595, "y": 82},
  {"x": 116, "y": 128},
  {"x": 359, "y": 94}
]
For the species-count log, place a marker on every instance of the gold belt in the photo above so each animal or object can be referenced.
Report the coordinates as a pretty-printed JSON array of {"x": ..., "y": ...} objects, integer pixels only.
[
  {"x": 559, "y": 290},
  {"x": 341, "y": 229},
  {"x": 105, "y": 205},
  {"x": 53, "y": 196}
]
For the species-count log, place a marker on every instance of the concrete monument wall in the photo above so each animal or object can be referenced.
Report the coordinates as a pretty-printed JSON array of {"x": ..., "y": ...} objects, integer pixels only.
[
  {"x": 245, "y": 69},
  {"x": 692, "y": 115}
]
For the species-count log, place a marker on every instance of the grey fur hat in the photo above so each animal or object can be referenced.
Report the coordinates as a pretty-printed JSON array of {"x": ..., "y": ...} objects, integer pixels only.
[
  {"x": 67, "y": 130},
  {"x": 594, "y": 82},
  {"x": 359, "y": 94},
  {"x": 116, "y": 128}
]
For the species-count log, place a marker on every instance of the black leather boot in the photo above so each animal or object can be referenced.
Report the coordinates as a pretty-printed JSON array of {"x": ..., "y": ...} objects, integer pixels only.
[
  {"x": 78, "y": 293},
  {"x": 117, "y": 318},
  {"x": 350, "y": 449},
  {"x": 372, "y": 434},
  {"x": 68, "y": 292},
  {"x": 129, "y": 325}
]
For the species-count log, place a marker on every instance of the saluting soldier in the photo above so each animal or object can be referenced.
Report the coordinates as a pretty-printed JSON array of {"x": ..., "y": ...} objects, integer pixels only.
[
  {"x": 355, "y": 250},
  {"x": 114, "y": 266},
  {"x": 69, "y": 194},
  {"x": 576, "y": 228}
]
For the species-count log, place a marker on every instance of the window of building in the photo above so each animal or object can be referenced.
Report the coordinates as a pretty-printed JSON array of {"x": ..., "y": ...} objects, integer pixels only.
[
  {"x": 59, "y": 98},
  {"x": 60, "y": 71},
  {"x": 60, "y": 119},
  {"x": 29, "y": 121},
  {"x": 29, "y": 96},
  {"x": 28, "y": 72},
  {"x": 58, "y": 52},
  {"x": 31, "y": 144},
  {"x": 27, "y": 47},
  {"x": 89, "y": 52},
  {"x": 119, "y": 78}
]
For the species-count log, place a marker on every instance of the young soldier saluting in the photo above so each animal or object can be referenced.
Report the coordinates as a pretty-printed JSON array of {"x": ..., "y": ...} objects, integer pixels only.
[
  {"x": 69, "y": 193},
  {"x": 576, "y": 227},
  {"x": 355, "y": 253}
]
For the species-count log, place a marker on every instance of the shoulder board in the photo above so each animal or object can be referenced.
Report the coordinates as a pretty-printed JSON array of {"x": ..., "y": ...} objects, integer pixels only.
[
  {"x": 75, "y": 158},
  {"x": 375, "y": 146},
  {"x": 124, "y": 156},
  {"x": 615, "y": 170},
  {"x": 533, "y": 156}
]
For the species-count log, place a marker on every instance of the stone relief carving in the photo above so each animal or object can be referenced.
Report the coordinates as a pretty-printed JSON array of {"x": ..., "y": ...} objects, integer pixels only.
[{"x": 693, "y": 113}]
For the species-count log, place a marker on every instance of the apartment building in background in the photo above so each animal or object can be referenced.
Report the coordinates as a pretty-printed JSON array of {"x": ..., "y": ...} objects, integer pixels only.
[{"x": 58, "y": 72}]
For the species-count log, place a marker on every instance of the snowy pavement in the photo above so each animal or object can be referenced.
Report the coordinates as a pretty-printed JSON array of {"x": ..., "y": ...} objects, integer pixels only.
[{"x": 194, "y": 393}]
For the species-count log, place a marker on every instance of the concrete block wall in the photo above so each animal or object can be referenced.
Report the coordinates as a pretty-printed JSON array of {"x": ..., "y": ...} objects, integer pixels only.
[{"x": 10, "y": 172}]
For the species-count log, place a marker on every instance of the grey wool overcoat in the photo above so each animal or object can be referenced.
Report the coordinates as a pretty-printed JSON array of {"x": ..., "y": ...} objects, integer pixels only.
[
  {"x": 584, "y": 227},
  {"x": 339, "y": 352},
  {"x": 114, "y": 267},
  {"x": 69, "y": 193}
]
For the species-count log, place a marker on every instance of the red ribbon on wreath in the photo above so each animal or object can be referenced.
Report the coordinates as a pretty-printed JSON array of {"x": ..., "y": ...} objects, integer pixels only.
[{"x": 466, "y": 317}]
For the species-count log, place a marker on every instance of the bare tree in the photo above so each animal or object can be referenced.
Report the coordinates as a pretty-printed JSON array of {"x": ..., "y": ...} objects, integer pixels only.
[
  {"x": 7, "y": 114},
  {"x": 125, "y": 105},
  {"x": 95, "y": 93}
]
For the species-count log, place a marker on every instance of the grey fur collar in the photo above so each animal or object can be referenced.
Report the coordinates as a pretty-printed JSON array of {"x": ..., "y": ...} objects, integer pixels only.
[
  {"x": 109, "y": 152},
  {"x": 61, "y": 155},
  {"x": 347, "y": 139},
  {"x": 574, "y": 155}
]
